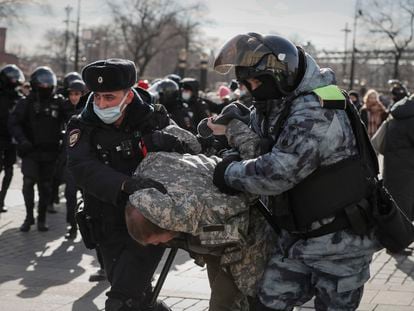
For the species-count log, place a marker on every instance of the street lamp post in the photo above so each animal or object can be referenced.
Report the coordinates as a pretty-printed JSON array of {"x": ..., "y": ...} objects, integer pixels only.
[
  {"x": 182, "y": 62},
  {"x": 203, "y": 71},
  {"x": 68, "y": 9},
  {"x": 76, "y": 64},
  {"x": 352, "y": 75}
]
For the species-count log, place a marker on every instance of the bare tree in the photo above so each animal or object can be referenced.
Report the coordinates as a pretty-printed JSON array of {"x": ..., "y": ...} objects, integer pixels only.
[
  {"x": 392, "y": 20},
  {"x": 150, "y": 26}
]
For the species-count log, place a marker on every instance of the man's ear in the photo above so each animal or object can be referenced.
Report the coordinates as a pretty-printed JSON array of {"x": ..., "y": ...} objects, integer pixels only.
[{"x": 130, "y": 96}]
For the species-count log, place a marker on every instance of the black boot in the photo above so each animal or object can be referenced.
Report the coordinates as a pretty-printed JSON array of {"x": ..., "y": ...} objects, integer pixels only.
[
  {"x": 71, "y": 233},
  {"x": 41, "y": 226},
  {"x": 25, "y": 227},
  {"x": 98, "y": 276},
  {"x": 51, "y": 209}
]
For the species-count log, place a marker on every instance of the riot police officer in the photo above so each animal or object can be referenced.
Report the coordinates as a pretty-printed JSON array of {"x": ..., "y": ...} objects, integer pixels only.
[
  {"x": 10, "y": 78},
  {"x": 36, "y": 124},
  {"x": 398, "y": 90},
  {"x": 105, "y": 144},
  {"x": 168, "y": 94},
  {"x": 309, "y": 152}
]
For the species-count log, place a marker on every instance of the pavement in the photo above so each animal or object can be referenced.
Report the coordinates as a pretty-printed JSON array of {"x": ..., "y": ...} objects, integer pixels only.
[{"x": 41, "y": 271}]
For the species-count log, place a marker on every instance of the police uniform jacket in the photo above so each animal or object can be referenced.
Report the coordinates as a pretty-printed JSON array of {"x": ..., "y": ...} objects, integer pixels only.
[{"x": 101, "y": 157}]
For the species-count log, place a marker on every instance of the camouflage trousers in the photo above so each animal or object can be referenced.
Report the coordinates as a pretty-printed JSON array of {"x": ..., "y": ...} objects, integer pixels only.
[{"x": 292, "y": 282}]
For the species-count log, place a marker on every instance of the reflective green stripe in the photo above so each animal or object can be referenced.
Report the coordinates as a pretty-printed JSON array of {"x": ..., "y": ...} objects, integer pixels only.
[{"x": 330, "y": 92}]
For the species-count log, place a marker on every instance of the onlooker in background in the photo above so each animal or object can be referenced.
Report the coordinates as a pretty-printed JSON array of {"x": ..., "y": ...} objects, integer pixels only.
[
  {"x": 372, "y": 112},
  {"x": 354, "y": 97},
  {"x": 398, "y": 171},
  {"x": 398, "y": 90}
]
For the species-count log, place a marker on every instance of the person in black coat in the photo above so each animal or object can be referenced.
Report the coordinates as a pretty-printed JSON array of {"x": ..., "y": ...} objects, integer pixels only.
[
  {"x": 36, "y": 124},
  {"x": 106, "y": 142},
  {"x": 398, "y": 171},
  {"x": 10, "y": 78}
]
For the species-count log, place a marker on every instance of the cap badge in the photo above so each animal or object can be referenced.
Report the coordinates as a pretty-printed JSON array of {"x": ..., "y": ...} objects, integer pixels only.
[{"x": 100, "y": 79}]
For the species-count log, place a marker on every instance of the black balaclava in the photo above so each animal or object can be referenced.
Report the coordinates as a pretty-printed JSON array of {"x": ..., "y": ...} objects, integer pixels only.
[{"x": 267, "y": 90}]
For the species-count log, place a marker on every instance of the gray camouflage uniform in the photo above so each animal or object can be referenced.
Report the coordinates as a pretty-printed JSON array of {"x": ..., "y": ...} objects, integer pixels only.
[{"x": 332, "y": 267}]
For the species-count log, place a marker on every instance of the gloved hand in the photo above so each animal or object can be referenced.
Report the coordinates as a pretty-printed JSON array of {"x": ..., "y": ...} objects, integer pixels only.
[
  {"x": 24, "y": 148},
  {"x": 131, "y": 185},
  {"x": 161, "y": 141},
  {"x": 218, "y": 175},
  {"x": 232, "y": 111}
]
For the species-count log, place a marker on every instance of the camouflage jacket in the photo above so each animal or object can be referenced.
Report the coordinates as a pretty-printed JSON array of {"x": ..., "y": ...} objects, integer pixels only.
[
  {"x": 194, "y": 205},
  {"x": 311, "y": 137}
]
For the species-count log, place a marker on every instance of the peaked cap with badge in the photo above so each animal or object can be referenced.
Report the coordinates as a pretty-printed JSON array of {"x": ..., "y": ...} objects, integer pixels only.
[{"x": 109, "y": 75}]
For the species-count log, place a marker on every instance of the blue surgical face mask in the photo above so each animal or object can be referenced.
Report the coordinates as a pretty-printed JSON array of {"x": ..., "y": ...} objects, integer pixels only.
[{"x": 111, "y": 114}]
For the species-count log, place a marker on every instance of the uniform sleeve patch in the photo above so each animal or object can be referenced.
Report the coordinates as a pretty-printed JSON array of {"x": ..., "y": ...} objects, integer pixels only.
[{"x": 74, "y": 136}]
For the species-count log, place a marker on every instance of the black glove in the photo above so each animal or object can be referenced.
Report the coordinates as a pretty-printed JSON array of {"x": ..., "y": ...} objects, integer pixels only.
[
  {"x": 232, "y": 111},
  {"x": 218, "y": 176},
  {"x": 161, "y": 141},
  {"x": 131, "y": 185},
  {"x": 24, "y": 148}
]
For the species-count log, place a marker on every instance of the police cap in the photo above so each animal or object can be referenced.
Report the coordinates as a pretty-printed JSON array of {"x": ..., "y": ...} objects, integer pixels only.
[{"x": 109, "y": 75}]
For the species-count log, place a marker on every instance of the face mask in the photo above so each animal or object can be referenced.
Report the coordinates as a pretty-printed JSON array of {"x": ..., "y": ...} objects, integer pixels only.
[
  {"x": 111, "y": 114},
  {"x": 243, "y": 93},
  {"x": 186, "y": 96}
]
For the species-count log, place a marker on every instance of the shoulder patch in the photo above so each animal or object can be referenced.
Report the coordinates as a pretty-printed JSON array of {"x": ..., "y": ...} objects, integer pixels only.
[{"x": 74, "y": 136}]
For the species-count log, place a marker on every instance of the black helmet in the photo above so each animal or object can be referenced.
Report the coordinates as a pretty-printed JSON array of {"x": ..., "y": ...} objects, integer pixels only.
[
  {"x": 398, "y": 90},
  {"x": 10, "y": 77},
  {"x": 168, "y": 91},
  {"x": 257, "y": 56},
  {"x": 176, "y": 78},
  {"x": 69, "y": 77},
  {"x": 77, "y": 85},
  {"x": 43, "y": 81}
]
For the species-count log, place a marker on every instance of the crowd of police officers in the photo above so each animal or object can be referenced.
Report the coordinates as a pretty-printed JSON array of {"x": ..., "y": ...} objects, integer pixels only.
[{"x": 114, "y": 123}]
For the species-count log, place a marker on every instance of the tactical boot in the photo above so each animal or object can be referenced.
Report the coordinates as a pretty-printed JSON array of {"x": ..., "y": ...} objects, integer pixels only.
[
  {"x": 98, "y": 276},
  {"x": 3, "y": 209},
  {"x": 71, "y": 233},
  {"x": 25, "y": 227},
  {"x": 51, "y": 209},
  {"x": 41, "y": 226}
]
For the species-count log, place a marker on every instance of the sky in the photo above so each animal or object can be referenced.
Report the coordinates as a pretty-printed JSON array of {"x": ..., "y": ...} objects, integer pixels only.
[{"x": 320, "y": 21}]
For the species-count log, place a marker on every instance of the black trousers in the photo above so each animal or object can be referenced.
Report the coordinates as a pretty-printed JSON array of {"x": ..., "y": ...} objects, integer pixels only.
[
  {"x": 129, "y": 266},
  {"x": 40, "y": 173},
  {"x": 7, "y": 159},
  {"x": 70, "y": 194}
]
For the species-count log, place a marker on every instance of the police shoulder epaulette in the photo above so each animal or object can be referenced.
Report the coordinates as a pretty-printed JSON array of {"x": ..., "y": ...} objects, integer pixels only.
[{"x": 331, "y": 97}]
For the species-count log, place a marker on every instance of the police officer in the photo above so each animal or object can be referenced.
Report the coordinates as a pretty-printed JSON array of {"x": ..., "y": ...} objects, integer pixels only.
[
  {"x": 168, "y": 94},
  {"x": 106, "y": 143},
  {"x": 36, "y": 124},
  {"x": 11, "y": 77},
  {"x": 309, "y": 152},
  {"x": 197, "y": 108}
]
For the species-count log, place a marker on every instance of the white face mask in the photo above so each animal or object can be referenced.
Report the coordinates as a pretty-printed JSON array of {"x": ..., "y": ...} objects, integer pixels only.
[
  {"x": 243, "y": 92},
  {"x": 111, "y": 114},
  {"x": 186, "y": 96}
]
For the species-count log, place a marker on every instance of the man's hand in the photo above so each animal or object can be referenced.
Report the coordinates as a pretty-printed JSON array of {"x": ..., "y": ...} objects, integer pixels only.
[
  {"x": 161, "y": 141},
  {"x": 131, "y": 185}
]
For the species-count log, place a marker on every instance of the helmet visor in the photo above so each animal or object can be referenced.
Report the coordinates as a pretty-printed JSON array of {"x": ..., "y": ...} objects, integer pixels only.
[
  {"x": 243, "y": 50},
  {"x": 46, "y": 79}
]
